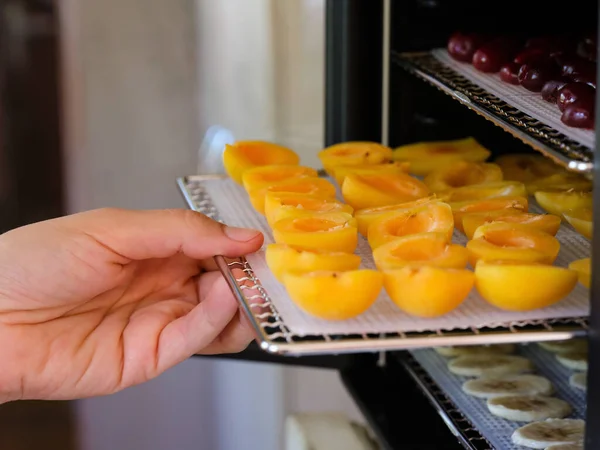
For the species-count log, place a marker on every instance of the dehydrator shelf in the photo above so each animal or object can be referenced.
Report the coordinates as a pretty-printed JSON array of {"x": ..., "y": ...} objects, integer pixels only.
[
  {"x": 564, "y": 150},
  {"x": 276, "y": 321},
  {"x": 467, "y": 416}
]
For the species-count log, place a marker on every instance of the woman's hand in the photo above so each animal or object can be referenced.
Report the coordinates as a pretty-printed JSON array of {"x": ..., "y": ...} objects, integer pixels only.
[{"x": 99, "y": 301}]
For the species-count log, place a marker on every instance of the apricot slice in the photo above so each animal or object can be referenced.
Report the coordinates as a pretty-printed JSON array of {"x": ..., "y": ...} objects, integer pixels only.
[
  {"x": 334, "y": 295},
  {"x": 369, "y": 191},
  {"x": 484, "y": 191},
  {"x": 425, "y": 157},
  {"x": 559, "y": 182},
  {"x": 282, "y": 258},
  {"x": 527, "y": 167},
  {"x": 421, "y": 249},
  {"x": 512, "y": 242},
  {"x": 335, "y": 232},
  {"x": 354, "y": 153},
  {"x": 459, "y": 209},
  {"x": 462, "y": 173},
  {"x": 365, "y": 217},
  {"x": 583, "y": 269},
  {"x": 263, "y": 176},
  {"x": 282, "y": 205},
  {"x": 432, "y": 217},
  {"x": 306, "y": 185},
  {"x": 341, "y": 172},
  {"x": 523, "y": 286},
  {"x": 244, "y": 155},
  {"x": 582, "y": 220},
  {"x": 428, "y": 291},
  {"x": 547, "y": 223},
  {"x": 558, "y": 202}
]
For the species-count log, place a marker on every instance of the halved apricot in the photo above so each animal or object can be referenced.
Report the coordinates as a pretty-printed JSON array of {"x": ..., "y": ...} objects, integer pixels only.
[
  {"x": 244, "y": 155},
  {"x": 557, "y": 202},
  {"x": 428, "y": 291},
  {"x": 512, "y": 242},
  {"x": 365, "y": 217},
  {"x": 484, "y": 191},
  {"x": 334, "y": 295},
  {"x": 581, "y": 219},
  {"x": 425, "y": 157},
  {"x": 583, "y": 269},
  {"x": 369, "y": 191},
  {"x": 263, "y": 176},
  {"x": 421, "y": 249},
  {"x": 315, "y": 186},
  {"x": 282, "y": 205},
  {"x": 341, "y": 172},
  {"x": 335, "y": 232},
  {"x": 547, "y": 223},
  {"x": 462, "y": 173},
  {"x": 523, "y": 286},
  {"x": 432, "y": 217},
  {"x": 459, "y": 209},
  {"x": 559, "y": 182},
  {"x": 282, "y": 258},
  {"x": 527, "y": 167},
  {"x": 354, "y": 153}
]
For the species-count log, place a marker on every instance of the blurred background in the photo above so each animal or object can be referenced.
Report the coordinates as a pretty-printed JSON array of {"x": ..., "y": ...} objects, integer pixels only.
[{"x": 105, "y": 103}]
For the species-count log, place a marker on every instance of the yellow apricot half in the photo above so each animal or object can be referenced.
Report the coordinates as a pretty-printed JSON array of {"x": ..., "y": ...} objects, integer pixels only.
[
  {"x": 282, "y": 205},
  {"x": 334, "y": 232},
  {"x": 244, "y": 155},
  {"x": 523, "y": 286},
  {"x": 431, "y": 217},
  {"x": 421, "y": 249},
  {"x": 333, "y": 295},
  {"x": 341, "y": 172},
  {"x": 559, "y": 182},
  {"x": 306, "y": 185},
  {"x": 425, "y": 157},
  {"x": 462, "y": 173},
  {"x": 583, "y": 269},
  {"x": 428, "y": 291},
  {"x": 557, "y": 202},
  {"x": 282, "y": 258},
  {"x": 512, "y": 242},
  {"x": 581, "y": 219},
  {"x": 484, "y": 191},
  {"x": 526, "y": 167},
  {"x": 264, "y": 176},
  {"x": 547, "y": 223},
  {"x": 354, "y": 153},
  {"x": 365, "y": 217},
  {"x": 459, "y": 209},
  {"x": 370, "y": 191}
]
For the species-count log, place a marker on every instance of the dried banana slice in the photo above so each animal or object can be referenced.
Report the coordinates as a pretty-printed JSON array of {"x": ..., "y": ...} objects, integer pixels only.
[
  {"x": 574, "y": 360},
  {"x": 464, "y": 350},
  {"x": 569, "y": 345},
  {"x": 528, "y": 408},
  {"x": 489, "y": 365},
  {"x": 565, "y": 447},
  {"x": 551, "y": 431},
  {"x": 491, "y": 387},
  {"x": 579, "y": 380}
]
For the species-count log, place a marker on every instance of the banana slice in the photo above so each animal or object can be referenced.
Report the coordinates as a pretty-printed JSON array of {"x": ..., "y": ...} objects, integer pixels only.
[
  {"x": 528, "y": 408},
  {"x": 569, "y": 345},
  {"x": 551, "y": 431},
  {"x": 464, "y": 350},
  {"x": 579, "y": 380},
  {"x": 565, "y": 447},
  {"x": 574, "y": 360},
  {"x": 489, "y": 365},
  {"x": 491, "y": 387}
]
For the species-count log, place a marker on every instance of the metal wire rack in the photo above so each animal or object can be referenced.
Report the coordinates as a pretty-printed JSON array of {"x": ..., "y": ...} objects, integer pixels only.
[
  {"x": 538, "y": 135},
  {"x": 274, "y": 336}
]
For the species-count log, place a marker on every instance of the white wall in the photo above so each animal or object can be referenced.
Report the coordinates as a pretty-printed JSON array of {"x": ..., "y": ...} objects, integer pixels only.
[{"x": 143, "y": 80}]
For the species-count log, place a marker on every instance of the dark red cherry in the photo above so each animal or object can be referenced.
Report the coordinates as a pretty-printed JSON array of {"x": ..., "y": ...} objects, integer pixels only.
[
  {"x": 462, "y": 46},
  {"x": 573, "y": 92},
  {"x": 533, "y": 76},
  {"x": 580, "y": 114},
  {"x": 550, "y": 89},
  {"x": 509, "y": 73}
]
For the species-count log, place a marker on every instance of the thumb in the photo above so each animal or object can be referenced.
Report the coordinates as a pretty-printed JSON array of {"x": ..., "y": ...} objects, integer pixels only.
[{"x": 138, "y": 235}]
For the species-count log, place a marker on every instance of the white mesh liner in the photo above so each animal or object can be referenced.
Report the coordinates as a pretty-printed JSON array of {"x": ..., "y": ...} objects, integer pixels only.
[
  {"x": 234, "y": 208},
  {"x": 496, "y": 430},
  {"x": 530, "y": 103}
]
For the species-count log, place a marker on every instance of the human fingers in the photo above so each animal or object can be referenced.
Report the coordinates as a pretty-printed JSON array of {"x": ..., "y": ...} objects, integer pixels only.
[{"x": 235, "y": 337}]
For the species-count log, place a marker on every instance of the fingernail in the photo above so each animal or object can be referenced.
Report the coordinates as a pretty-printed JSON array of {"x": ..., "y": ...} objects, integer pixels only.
[{"x": 241, "y": 234}]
